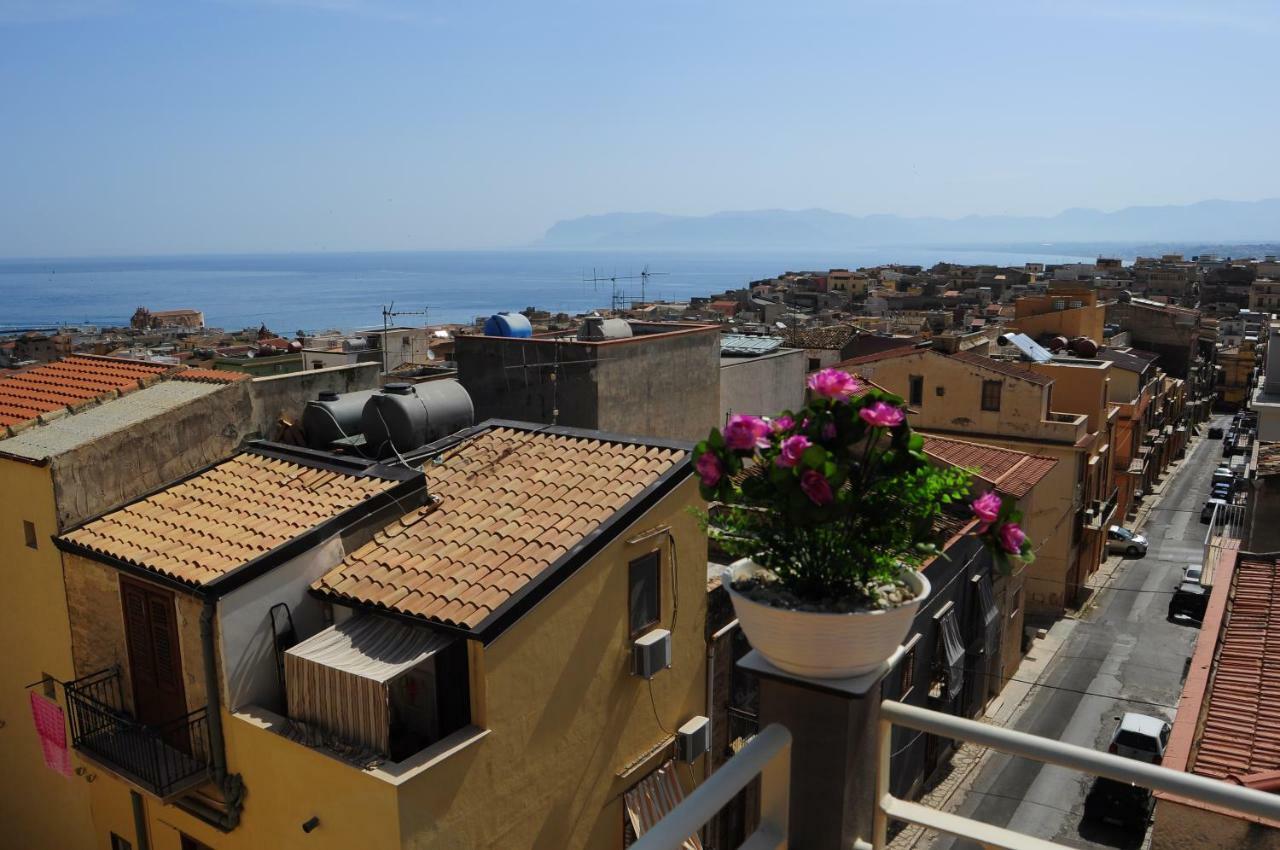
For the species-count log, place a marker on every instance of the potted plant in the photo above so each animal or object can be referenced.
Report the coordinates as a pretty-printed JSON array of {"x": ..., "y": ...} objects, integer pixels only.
[{"x": 830, "y": 510}]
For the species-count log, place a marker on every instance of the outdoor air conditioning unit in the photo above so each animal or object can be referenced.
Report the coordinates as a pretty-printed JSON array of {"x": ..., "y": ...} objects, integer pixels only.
[
  {"x": 650, "y": 653},
  {"x": 693, "y": 739}
]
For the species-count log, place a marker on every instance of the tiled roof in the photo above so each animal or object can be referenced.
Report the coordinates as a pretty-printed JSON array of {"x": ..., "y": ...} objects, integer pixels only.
[
  {"x": 1241, "y": 731},
  {"x": 200, "y": 529},
  {"x": 212, "y": 376},
  {"x": 512, "y": 504},
  {"x": 69, "y": 383},
  {"x": 1008, "y": 470},
  {"x": 831, "y": 337},
  {"x": 1268, "y": 459},
  {"x": 1004, "y": 367},
  {"x": 887, "y": 354}
]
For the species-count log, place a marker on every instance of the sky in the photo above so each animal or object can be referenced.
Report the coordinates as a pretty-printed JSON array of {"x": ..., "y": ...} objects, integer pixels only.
[{"x": 211, "y": 126}]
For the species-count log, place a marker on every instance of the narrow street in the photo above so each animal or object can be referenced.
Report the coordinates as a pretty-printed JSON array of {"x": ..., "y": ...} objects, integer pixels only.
[{"x": 1121, "y": 655}]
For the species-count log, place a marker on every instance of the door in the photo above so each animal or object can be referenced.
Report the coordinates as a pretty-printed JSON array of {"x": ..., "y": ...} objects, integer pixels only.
[{"x": 155, "y": 663}]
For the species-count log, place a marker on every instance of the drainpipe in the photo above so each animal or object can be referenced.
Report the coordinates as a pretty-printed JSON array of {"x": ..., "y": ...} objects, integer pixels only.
[
  {"x": 140, "y": 821},
  {"x": 231, "y": 785}
]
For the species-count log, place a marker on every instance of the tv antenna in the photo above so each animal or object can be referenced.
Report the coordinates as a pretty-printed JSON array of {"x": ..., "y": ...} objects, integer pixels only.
[
  {"x": 390, "y": 312},
  {"x": 618, "y": 297}
]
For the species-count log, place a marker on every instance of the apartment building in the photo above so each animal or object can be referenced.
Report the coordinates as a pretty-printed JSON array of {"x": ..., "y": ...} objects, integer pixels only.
[
  {"x": 970, "y": 397},
  {"x": 351, "y": 654},
  {"x": 1066, "y": 310}
]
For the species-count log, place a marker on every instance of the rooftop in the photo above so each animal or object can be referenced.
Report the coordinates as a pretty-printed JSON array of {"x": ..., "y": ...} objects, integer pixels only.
[
  {"x": 517, "y": 508},
  {"x": 833, "y": 337},
  {"x": 69, "y": 383},
  {"x": 1268, "y": 460},
  {"x": 1009, "y": 471},
  {"x": 1004, "y": 367},
  {"x": 1240, "y": 734},
  {"x": 1127, "y": 360},
  {"x": 202, "y": 528}
]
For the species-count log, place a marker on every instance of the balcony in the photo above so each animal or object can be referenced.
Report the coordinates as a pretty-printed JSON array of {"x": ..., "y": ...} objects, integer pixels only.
[
  {"x": 164, "y": 759},
  {"x": 769, "y": 755}
]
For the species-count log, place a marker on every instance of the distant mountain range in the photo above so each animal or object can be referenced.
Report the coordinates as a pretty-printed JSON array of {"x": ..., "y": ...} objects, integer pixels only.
[{"x": 1207, "y": 221}]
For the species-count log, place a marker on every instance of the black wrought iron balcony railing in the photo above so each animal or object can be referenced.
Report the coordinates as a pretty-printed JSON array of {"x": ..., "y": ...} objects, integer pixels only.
[{"x": 165, "y": 758}]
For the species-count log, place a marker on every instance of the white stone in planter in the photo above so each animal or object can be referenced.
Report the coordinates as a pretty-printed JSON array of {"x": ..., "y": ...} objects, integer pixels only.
[{"x": 823, "y": 645}]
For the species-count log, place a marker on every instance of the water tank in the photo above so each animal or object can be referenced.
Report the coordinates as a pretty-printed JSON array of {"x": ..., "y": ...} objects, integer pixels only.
[
  {"x": 1057, "y": 343},
  {"x": 408, "y": 416},
  {"x": 1124, "y": 296},
  {"x": 333, "y": 416},
  {"x": 508, "y": 324},
  {"x": 600, "y": 328},
  {"x": 1082, "y": 346}
]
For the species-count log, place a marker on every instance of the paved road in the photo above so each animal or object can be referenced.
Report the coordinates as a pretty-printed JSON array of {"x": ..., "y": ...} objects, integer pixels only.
[{"x": 1123, "y": 653}]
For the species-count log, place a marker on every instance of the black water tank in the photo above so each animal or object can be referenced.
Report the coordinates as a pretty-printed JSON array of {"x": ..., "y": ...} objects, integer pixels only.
[{"x": 407, "y": 416}]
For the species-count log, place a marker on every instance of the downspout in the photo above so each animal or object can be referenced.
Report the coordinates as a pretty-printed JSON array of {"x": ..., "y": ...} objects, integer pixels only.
[
  {"x": 140, "y": 821},
  {"x": 230, "y": 784}
]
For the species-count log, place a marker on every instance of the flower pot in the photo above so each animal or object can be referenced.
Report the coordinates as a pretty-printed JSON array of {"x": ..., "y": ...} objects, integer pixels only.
[{"x": 823, "y": 645}]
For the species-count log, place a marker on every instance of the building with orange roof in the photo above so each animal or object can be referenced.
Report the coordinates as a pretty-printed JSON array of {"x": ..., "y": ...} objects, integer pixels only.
[
  {"x": 1013, "y": 405},
  {"x": 448, "y": 642},
  {"x": 1226, "y": 727}
]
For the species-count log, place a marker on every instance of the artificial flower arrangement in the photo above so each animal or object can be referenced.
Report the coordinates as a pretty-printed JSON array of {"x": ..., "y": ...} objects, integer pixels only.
[{"x": 837, "y": 500}]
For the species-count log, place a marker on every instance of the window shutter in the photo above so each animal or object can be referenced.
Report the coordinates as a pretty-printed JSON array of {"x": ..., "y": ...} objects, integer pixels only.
[
  {"x": 137, "y": 628},
  {"x": 164, "y": 640}
]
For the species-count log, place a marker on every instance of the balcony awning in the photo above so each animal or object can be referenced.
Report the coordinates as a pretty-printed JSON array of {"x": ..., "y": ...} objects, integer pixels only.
[
  {"x": 653, "y": 798},
  {"x": 339, "y": 679}
]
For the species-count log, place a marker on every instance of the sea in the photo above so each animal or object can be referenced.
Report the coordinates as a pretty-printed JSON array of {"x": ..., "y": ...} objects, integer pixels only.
[{"x": 316, "y": 292}]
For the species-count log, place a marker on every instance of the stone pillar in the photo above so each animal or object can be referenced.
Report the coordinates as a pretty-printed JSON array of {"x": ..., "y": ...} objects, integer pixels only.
[{"x": 834, "y": 750}]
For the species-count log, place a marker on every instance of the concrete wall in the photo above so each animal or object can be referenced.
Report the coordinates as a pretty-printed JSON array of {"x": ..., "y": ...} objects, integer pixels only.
[
  {"x": 762, "y": 386},
  {"x": 1178, "y": 826},
  {"x": 661, "y": 386},
  {"x": 512, "y": 379},
  {"x": 1079, "y": 388},
  {"x": 247, "y": 643},
  {"x": 38, "y": 807},
  {"x": 277, "y": 397}
]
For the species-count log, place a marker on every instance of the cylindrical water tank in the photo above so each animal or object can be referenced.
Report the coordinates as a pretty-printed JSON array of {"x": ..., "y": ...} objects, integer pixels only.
[
  {"x": 600, "y": 328},
  {"x": 508, "y": 324},
  {"x": 1058, "y": 343},
  {"x": 1084, "y": 347},
  {"x": 333, "y": 416},
  {"x": 404, "y": 417}
]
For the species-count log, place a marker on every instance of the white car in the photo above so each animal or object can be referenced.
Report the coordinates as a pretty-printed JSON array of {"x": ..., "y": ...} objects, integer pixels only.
[
  {"x": 1141, "y": 737},
  {"x": 1192, "y": 573},
  {"x": 1125, "y": 542}
]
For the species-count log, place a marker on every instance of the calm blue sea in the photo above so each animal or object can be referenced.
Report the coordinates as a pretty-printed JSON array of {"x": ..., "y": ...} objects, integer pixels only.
[{"x": 320, "y": 291}]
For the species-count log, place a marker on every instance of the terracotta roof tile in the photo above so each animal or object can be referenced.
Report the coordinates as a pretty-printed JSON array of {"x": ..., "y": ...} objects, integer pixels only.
[
  {"x": 1240, "y": 735},
  {"x": 1008, "y": 470},
  {"x": 887, "y": 354},
  {"x": 212, "y": 376},
  {"x": 201, "y": 528},
  {"x": 490, "y": 536},
  {"x": 1004, "y": 367},
  {"x": 68, "y": 383}
]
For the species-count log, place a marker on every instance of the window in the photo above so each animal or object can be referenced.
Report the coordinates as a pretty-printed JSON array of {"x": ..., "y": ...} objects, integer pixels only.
[
  {"x": 29, "y": 532},
  {"x": 118, "y": 843},
  {"x": 645, "y": 592},
  {"x": 814, "y": 364},
  {"x": 991, "y": 395},
  {"x": 917, "y": 390},
  {"x": 189, "y": 843}
]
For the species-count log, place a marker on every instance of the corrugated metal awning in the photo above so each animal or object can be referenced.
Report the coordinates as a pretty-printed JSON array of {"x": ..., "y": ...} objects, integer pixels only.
[
  {"x": 653, "y": 798},
  {"x": 374, "y": 648}
]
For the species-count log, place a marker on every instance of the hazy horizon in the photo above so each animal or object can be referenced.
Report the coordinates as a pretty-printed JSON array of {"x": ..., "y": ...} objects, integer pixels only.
[{"x": 138, "y": 128}]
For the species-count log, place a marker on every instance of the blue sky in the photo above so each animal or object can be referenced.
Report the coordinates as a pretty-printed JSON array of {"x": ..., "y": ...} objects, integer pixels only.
[{"x": 204, "y": 126}]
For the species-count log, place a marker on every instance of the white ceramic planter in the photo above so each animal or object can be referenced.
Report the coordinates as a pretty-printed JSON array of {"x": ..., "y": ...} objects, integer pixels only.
[{"x": 821, "y": 645}]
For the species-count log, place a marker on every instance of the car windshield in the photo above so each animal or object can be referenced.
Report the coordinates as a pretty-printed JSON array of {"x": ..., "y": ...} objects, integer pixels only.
[
  {"x": 1136, "y": 741},
  {"x": 1121, "y": 533}
]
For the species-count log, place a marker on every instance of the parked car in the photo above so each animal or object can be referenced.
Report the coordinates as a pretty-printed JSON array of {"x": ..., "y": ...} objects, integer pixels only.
[
  {"x": 1192, "y": 573},
  {"x": 1125, "y": 542},
  {"x": 1215, "y": 433},
  {"x": 1119, "y": 803},
  {"x": 1221, "y": 491},
  {"x": 1189, "y": 602},
  {"x": 1141, "y": 737},
  {"x": 1206, "y": 513}
]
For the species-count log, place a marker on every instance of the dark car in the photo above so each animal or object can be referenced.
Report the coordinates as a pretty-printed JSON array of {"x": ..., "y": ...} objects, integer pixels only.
[
  {"x": 1119, "y": 803},
  {"x": 1207, "y": 512},
  {"x": 1215, "y": 433},
  {"x": 1189, "y": 601}
]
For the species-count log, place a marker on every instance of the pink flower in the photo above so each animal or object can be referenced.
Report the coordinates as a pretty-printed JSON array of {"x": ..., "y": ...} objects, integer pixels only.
[
  {"x": 783, "y": 423},
  {"x": 744, "y": 433},
  {"x": 882, "y": 415},
  {"x": 832, "y": 383},
  {"x": 1011, "y": 538},
  {"x": 816, "y": 487},
  {"x": 986, "y": 508},
  {"x": 710, "y": 469},
  {"x": 793, "y": 449}
]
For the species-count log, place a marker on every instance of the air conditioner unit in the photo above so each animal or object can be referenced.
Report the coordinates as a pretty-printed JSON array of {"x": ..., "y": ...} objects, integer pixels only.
[
  {"x": 693, "y": 739},
  {"x": 650, "y": 653}
]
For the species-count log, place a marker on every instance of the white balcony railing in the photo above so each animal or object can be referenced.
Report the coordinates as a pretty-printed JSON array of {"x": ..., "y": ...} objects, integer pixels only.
[{"x": 768, "y": 755}]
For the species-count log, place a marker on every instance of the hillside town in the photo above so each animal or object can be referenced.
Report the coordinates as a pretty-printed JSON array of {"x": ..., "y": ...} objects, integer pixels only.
[{"x": 267, "y": 511}]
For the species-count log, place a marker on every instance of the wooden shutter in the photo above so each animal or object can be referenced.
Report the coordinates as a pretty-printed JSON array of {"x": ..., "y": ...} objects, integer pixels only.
[
  {"x": 137, "y": 630},
  {"x": 164, "y": 642}
]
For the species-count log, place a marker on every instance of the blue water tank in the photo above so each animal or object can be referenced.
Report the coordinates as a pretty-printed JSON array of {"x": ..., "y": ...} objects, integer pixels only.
[{"x": 508, "y": 324}]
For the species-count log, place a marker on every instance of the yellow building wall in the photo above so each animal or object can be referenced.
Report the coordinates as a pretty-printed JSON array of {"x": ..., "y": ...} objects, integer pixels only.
[
  {"x": 38, "y": 807},
  {"x": 567, "y": 716}
]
